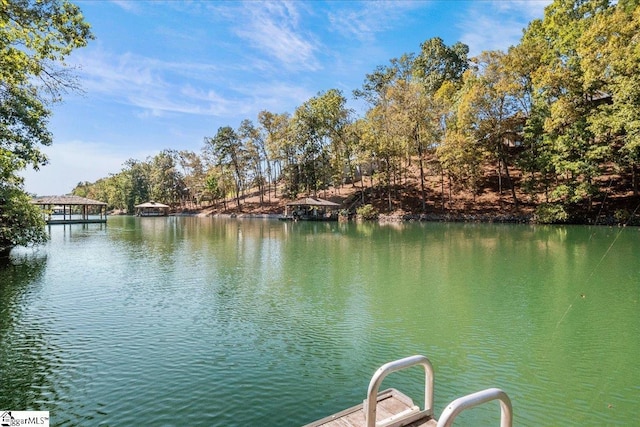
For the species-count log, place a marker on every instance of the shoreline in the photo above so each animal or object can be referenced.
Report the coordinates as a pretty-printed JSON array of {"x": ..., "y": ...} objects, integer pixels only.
[{"x": 608, "y": 221}]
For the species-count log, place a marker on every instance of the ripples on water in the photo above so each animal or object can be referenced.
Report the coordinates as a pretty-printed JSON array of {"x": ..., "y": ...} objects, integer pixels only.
[{"x": 187, "y": 321}]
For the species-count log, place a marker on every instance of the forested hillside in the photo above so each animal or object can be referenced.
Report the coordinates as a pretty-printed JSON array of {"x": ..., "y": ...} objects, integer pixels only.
[{"x": 551, "y": 127}]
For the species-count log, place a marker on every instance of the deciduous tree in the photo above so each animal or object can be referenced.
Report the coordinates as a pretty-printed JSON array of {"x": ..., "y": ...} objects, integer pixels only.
[
  {"x": 35, "y": 39},
  {"x": 279, "y": 150},
  {"x": 610, "y": 52},
  {"x": 577, "y": 156},
  {"x": 225, "y": 150}
]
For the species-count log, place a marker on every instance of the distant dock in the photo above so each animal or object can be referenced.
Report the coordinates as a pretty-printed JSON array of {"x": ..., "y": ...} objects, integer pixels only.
[{"x": 54, "y": 221}]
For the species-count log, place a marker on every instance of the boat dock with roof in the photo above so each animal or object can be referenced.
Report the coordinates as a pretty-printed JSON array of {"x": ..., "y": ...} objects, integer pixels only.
[
  {"x": 72, "y": 210},
  {"x": 311, "y": 209}
]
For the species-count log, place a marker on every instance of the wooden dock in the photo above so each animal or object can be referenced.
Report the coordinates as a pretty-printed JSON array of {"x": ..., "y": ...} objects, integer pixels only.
[
  {"x": 392, "y": 406},
  {"x": 51, "y": 221}
]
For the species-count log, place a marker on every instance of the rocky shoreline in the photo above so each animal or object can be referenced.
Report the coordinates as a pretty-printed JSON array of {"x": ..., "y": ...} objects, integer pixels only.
[
  {"x": 480, "y": 218},
  {"x": 434, "y": 217},
  {"x": 431, "y": 217}
]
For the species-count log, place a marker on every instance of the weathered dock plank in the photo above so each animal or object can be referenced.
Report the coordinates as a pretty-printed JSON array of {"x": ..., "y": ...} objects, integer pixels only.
[{"x": 390, "y": 404}]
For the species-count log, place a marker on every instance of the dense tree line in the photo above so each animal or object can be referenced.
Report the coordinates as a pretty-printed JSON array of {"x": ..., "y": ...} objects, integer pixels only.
[
  {"x": 553, "y": 118},
  {"x": 560, "y": 109}
]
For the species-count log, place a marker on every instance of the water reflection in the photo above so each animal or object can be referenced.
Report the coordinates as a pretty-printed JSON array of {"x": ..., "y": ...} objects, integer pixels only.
[
  {"x": 74, "y": 232},
  {"x": 26, "y": 353},
  {"x": 147, "y": 317}
]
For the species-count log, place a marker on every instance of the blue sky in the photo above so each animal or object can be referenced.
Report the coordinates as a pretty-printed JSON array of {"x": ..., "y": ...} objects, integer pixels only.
[{"x": 167, "y": 74}]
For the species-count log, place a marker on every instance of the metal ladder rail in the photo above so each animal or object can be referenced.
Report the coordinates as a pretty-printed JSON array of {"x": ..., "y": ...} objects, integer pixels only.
[
  {"x": 471, "y": 400},
  {"x": 371, "y": 402}
]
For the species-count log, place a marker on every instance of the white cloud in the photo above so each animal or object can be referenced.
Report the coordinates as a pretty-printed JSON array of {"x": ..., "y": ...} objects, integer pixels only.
[
  {"x": 532, "y": 8},
  {"x": 72, "y": 162},
  {"x": 109, "y": 74},
  {"x": 161, "y": 89},
  {"x": 276, "y": 96},
  {"x": 274, "y": 29},
  {"x": 127, "y": 5},
  {"x": 153, "y": 85},
  {"x": 497, "y": 25},
  {"x": 369, "y": 18},
  {"x": 488, "y": 34}
]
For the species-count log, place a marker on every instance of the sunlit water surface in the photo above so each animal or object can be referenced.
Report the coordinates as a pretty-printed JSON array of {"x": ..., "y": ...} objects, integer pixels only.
[{"x": 225, "y": 322}]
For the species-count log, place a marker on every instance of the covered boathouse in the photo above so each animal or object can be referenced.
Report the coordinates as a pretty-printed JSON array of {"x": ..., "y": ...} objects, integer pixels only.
[
  {"x": 311, "y": 209},
  {"x": 152, "y": 208},
  {"x": 71, "y": 210}
]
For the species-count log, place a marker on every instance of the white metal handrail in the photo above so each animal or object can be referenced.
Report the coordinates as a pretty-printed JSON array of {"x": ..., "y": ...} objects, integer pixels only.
[
  {"x": 471, "y": 400},
  {"x": 386, "y": 369}
]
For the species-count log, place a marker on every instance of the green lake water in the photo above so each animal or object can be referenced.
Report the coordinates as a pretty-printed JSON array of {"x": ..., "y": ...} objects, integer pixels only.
[{"x": 225, "y": 322}]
